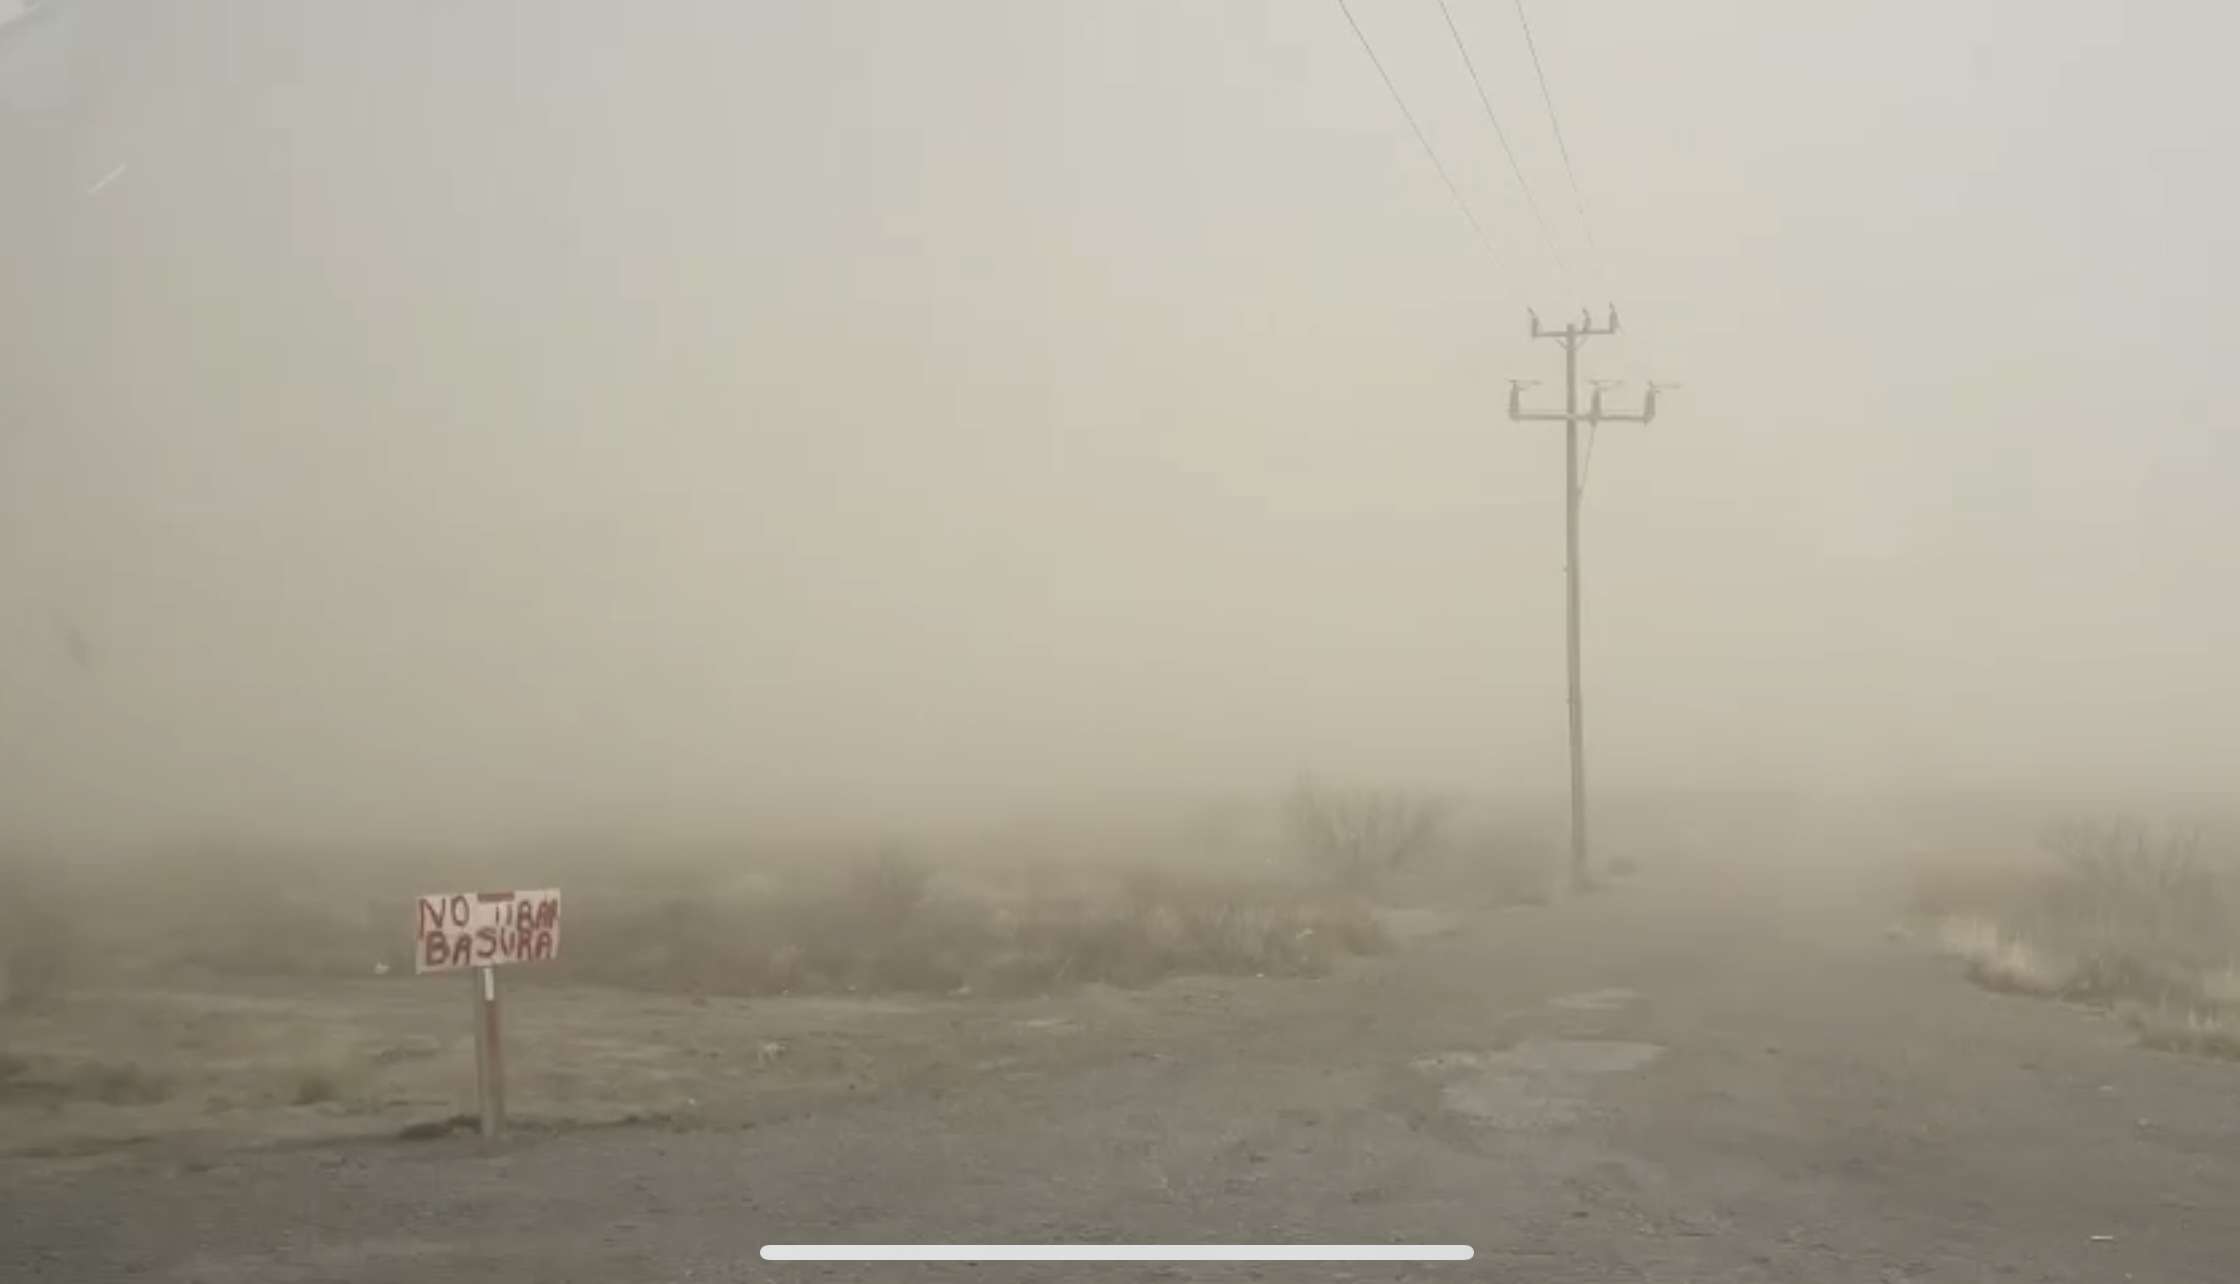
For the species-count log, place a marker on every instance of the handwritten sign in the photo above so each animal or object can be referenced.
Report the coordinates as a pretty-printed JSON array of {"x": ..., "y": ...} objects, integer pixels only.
[{"x": 486, "y": 929}]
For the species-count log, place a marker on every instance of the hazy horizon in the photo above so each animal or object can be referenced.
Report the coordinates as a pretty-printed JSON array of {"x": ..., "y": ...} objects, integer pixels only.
[{"x": 434, "y": 421}]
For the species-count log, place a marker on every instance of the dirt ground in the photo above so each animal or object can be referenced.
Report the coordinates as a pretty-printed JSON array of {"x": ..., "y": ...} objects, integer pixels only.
[{"x": 1713, "y": 1073}]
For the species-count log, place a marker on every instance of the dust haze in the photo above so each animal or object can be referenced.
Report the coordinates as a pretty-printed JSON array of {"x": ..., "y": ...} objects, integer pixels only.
[
  {"x": 459, "y": 423},
  {"x": 970, "y": 565}
]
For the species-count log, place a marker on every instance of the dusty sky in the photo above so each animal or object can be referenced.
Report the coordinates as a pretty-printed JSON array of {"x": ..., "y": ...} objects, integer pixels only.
[{"x": 449, "y": 420}]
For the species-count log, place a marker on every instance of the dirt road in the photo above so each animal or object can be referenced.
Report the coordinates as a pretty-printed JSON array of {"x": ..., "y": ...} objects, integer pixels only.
[{"x": 1666, "y": 1082}]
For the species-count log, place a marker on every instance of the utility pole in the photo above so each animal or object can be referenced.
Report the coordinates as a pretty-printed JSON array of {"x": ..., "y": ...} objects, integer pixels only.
[{"x": 1572, "y": 336}]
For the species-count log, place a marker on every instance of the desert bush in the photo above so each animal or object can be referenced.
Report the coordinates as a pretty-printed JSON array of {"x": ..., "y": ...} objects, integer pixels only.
[
  {"x": 1357, "y": 833},
  {"x": 2119, "y": 885},
  {"x": 2109, "y": 911},
  {"x": 2202, "y": 1032},
  {"x": 1997, "y": 961},
  {"x": 885, "y": 920},
  {"x": 877, "y": 926},
  {"x": 1157, "y": 921},
  {"x": 2141, "y": 915},
  {"x": 1241, "y": 927}
]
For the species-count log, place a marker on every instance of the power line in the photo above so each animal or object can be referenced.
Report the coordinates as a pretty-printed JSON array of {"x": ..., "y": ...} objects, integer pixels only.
[
  {"x": 1578, "y": 193},
  {"x": 1556, "y": 126},
  {"x": 1494, "y": 119},
  {"x": 1410, "y": 117}
]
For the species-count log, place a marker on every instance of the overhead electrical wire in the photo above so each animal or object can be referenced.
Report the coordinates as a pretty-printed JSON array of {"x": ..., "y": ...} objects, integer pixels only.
[
  {"x": 1510, "y": 153},
  {"x": 1578, "y": 197},
  {"x": 1555, "y": 126},
  {"x": 1516, "y": 170},
  {"x": 1422, "y": 138}
]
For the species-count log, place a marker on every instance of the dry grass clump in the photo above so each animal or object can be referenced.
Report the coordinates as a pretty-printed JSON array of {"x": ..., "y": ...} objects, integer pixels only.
[
  {"x": 2108, "y": 913},
  {"x": 1997, "y": 961}
]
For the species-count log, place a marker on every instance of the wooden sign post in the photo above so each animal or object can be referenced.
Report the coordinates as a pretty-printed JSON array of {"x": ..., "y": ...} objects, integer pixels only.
[
  {"x": 489, "y": 1053},
  {"x": 477, "y": 933}
]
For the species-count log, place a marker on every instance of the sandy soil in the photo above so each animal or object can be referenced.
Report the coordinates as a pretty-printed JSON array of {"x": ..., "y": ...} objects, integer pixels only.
[
  {"x": 1690, "y": 1077},
  {"x": 201, "y": 1068}
]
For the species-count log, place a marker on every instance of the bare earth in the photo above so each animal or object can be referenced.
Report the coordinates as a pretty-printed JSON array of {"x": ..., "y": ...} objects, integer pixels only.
[{"x": 1651, "y": 1084}]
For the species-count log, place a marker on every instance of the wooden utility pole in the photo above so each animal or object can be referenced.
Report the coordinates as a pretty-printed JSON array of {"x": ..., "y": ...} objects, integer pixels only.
[{"x": 1572, "y": 336}]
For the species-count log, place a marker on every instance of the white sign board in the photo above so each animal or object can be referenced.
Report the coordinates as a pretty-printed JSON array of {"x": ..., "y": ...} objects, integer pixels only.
[{"x": 486, "y": 929}]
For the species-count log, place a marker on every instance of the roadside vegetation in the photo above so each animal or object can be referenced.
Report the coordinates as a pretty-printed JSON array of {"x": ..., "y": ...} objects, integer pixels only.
[
  {"x": 1288, "y": 889},
  {"x": 2145, "y": 922},
  {"x": 271, "y": 992}
]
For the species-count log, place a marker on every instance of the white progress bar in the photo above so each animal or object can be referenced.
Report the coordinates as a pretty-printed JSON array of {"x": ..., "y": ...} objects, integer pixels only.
[{"x": 1116, "y": 1252}]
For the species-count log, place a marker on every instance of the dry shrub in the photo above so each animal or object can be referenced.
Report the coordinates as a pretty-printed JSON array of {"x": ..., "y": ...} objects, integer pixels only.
[
  {"x": 885, "y": 924},
  {"x": 1161, "y": 923},
  {"x": 1997, "y": 961},
  {"x": 2202, "y": 1032},
  {"x": 882, "y": 921},
  {"x": 2110, "y": 911},
  {"x": 2142, "y": 915},
  {"x": 1357, "y": 833}
]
